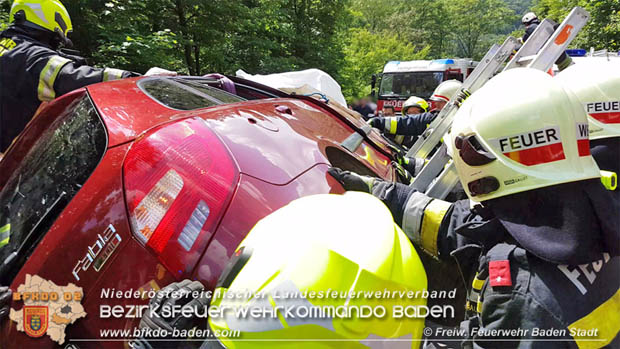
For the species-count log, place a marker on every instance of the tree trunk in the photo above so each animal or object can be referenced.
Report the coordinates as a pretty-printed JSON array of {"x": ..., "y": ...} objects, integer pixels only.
[{"x": 187, "y": 47}]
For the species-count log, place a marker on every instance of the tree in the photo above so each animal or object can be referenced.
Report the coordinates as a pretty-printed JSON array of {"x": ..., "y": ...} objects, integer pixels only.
[
  {"x": 477, "y": 23},
  {"x": 603, "y": 28},
  {"x": 366, "y": 54}
]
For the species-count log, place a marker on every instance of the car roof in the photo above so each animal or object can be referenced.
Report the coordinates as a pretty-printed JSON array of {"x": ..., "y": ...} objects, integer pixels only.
[{"x": 128, "y": 111}]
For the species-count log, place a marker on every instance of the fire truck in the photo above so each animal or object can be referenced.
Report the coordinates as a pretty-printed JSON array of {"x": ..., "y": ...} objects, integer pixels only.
[{"x": 401, "y": 80}]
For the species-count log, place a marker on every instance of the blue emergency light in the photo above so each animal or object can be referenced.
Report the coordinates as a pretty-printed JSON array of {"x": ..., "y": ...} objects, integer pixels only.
[
  {"x": 444, "y": 61},
  {"x": 576, "y": 52}
]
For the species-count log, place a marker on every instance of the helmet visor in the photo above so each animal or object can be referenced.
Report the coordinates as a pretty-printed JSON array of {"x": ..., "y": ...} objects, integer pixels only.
[{"x": 472, "y": 151}]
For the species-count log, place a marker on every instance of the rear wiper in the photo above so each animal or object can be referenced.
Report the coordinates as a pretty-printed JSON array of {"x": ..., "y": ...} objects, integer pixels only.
[{"x": 31, "y": 237}]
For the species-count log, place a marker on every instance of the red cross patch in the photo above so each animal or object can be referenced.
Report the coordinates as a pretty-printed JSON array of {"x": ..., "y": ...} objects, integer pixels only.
[{"x": 499, "y": 273}]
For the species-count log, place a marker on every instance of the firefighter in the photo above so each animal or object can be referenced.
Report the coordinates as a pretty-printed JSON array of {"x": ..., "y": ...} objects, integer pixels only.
[
  {"x": 32, "y": 70},
  {"x": 414, "y": 124},
  {"x": 531, "y": 22},
  {"x": 597, "y": 86},
  {"x": 406, "y": 129},
  {"x": 538, "y": 241},
  {"x": 442, "y": 94},
  {"x": 393, "y": 126}
]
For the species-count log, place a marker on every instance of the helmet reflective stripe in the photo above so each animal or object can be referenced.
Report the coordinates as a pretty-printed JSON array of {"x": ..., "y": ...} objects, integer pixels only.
[
  {"x": 48, "y": 15},
  {"x": 250, "y": 324},
  {"x": 414, "y": 101},
  {"x": 47, "y": 78},
  {"x": 37, "y": 10},
  {"x": 605, "y": 112},
  {"x": 445, "y": 90},
  {"x": 532, "y": 148},
  {"x": 597, "y": 86},
  {"x": 533, "y": 137}
]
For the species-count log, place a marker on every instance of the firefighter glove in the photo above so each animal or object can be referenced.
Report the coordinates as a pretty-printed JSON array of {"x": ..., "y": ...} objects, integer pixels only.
[
  {"x": 353, "y": 181},
  {"x": 376, "y": 122}
]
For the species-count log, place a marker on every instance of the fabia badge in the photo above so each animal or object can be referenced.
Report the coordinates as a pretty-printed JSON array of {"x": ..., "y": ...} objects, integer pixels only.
[{"x": 36, "y": 317}]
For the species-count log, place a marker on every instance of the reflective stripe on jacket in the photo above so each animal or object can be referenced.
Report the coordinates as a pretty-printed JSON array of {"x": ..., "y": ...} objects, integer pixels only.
[{"x": 31, "y": 73}]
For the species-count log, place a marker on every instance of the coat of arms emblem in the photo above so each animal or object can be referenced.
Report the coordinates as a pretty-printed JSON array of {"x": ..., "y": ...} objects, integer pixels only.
[{"x": 35, "y": 320}]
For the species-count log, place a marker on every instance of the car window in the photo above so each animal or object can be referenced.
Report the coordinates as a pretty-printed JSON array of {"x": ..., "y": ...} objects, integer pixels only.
[
  {"x": 216, "y": 93},
  {"x": 183, "y": 95},
  {"x": 50, "y": 175},
  {"x": 174, "y": 95}
]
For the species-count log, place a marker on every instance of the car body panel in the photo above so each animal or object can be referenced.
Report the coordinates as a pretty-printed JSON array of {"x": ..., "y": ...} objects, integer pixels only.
[
  {"x": 256, "y": 199},
  {"x": 282, "y": 146}
]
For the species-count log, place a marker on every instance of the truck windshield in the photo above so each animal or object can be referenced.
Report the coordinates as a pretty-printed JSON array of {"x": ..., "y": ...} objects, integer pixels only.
[{"x": 420, "y": 84}]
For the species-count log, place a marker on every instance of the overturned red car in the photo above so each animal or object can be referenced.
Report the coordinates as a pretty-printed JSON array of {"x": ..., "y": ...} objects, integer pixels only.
[{"x": 133, "y": 184}]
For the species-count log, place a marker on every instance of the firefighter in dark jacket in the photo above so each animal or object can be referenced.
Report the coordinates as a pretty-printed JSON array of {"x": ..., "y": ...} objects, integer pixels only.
[
  {"x": 32, "y": 70},
  {"x": 531, "y": 22},
  {"x": 538, "y": 242},
  {"x": 597, "y": 86},
  {"x": 404, "y": 130},
  {"x": 416, "y": 115}
]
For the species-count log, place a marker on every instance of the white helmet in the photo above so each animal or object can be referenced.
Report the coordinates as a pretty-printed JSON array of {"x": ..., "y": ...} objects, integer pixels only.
[
  {"x": 414, "y": 101},
  {"x": 528, "y": 17},
  {"x": 446, "y": 90},
  {"x": 597, "y": 86},
  {"x": 520, "y": 132}
]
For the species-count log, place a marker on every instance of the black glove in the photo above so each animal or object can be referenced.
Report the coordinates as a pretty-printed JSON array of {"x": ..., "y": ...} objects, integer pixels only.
[
  {"x": 5, "y": 302},
  {"x": 352, "y": 181},
  {"x": 376, "y": 122},
  {"x": 187, "y": 294}
]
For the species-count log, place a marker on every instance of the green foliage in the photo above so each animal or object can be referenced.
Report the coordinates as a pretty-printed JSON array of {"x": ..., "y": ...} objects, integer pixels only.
[
  {"x": 4, "y": 15},
  {"x": 477, "y": 23},
  {"x": 603, "y": 29},
  {"x": 366, "y": 54},
  {"x": 349, "y": 39}
]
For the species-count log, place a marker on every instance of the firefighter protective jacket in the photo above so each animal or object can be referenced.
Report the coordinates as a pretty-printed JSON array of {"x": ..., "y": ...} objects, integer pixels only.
[
  {"x": 407, "y": 125},
  {"x": 31, "y": 73},
  {"x": 514, "y": 294},
  {"x": 404, "y": 130}
]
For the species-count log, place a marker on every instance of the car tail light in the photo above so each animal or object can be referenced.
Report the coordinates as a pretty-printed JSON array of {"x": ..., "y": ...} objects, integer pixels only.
[{"x": 178, "y": 182}]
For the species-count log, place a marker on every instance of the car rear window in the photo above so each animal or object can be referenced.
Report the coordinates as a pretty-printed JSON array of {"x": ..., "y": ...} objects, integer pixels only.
[
  {"x": 50, "y": 175},
  {"x": 181, "y": 95},
  {"x": 222, "y": 96}
]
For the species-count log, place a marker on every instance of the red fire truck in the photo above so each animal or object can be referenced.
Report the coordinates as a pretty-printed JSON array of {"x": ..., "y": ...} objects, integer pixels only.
[{"x": 401, "y": 80}]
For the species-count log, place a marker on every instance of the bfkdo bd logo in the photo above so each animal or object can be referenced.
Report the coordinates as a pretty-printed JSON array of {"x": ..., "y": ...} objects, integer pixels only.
[
  {"x": 48, "y": 308},
  {"x": 36, "y": 320}
]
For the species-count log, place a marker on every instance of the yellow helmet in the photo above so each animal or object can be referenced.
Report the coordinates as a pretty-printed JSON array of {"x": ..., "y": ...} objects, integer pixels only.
[
  {"x": 48, "y": 15},
  {"x": 519, "y": 132},
  {"x": 597, "y": 86},
  {"x": 320, "y": 269},
  {"x": 414, "y": 101}
]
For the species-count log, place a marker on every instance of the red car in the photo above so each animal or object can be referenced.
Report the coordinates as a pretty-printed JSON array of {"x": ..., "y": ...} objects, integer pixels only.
[{"x": 134, "y": 184}]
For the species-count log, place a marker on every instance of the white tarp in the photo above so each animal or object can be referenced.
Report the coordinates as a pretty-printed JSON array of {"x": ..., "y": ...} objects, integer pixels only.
[{"x": 314, "y": 78}]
